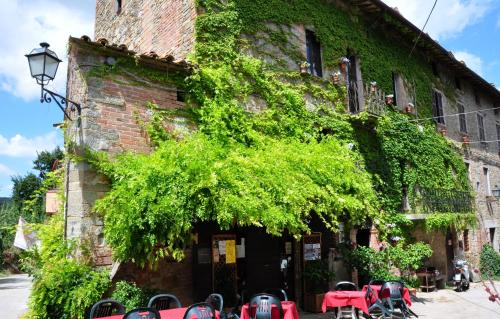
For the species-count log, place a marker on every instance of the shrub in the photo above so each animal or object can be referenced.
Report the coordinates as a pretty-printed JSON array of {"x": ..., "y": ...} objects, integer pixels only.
[
  {"x": 489, "y": 262},
  {"x": 64, "y": 287},
  {"x": 129, "y": 295}
]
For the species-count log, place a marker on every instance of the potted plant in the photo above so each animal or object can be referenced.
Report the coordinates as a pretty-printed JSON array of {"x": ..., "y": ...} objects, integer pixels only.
[
  {"x": 304, "y": 67},
  {"x": 409, "y": 108},
  {"x": 317, "y": 276},
  {"x": 465, "y": 139}
]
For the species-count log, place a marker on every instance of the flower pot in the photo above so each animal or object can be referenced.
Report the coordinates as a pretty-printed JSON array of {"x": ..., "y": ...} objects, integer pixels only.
[
  {"x": 443, "y": 132},
  {"x": 465, "y": 139},
  {"x": 304, "y": 68},
  {"x": 313, "y": 302},
  {"x": 335, "y": 79}
]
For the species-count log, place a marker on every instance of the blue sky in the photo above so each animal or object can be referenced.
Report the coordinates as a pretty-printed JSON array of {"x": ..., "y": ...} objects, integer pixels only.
[{"x": 469, "y": 28}]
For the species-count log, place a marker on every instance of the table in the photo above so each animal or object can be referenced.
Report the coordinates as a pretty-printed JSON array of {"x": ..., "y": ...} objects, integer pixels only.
[
  {"x": 356, "y": 299},
  {"x": 175, "y": 313},
  {"x": 289, "y": 311},
  {"x": 377, "y": 288},
  {"x": 428, "y": 280}
]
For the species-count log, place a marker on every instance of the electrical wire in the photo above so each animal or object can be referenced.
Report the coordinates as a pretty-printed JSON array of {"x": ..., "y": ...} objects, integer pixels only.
[
  {"x": 453, "y": 114},
  {"x": 422, "y": 30}
]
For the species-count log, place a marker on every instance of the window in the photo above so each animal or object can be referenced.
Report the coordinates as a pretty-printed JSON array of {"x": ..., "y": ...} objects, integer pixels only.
[
  {"x": 461, "y": 118},
  {"x": 435, "y": 69},
  {"x": 467, "y": 167},
  {"x": 437, "y": 107},
  {"x": 486, "y": 174},
  {"x": 498, "y": 135},
  {"x": 181, "y": 96},
  {"x": 466, "y": 240},
  {"x": 480, "y": 125},
  {"x": 476, "y": 98},
  {"x": 118, "y": 5},
  {"x": 313, "y": 54},
  {"x": 458, "y": 85},
  {"x": 492, "y": 235}
]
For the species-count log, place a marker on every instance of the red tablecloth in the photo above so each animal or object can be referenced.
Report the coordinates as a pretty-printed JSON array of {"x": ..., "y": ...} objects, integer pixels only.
[
  {"x": 334, "y": 299},
  {"x": 377, "y": 288},
  {"x": 289, "y": 311},
  {"x": 176, "y": 313}
]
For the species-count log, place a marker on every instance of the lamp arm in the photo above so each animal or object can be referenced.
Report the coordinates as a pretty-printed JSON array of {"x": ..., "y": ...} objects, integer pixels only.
[{"x": 49, "y": 96}]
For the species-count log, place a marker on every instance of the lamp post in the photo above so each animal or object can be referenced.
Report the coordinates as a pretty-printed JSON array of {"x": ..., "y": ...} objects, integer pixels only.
[{"x": 43, "y": 64}]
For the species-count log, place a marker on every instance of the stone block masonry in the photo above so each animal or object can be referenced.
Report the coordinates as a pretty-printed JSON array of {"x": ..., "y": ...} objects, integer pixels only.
[
  {"x": 166, "y": 27},
  {"x": 111, "y": 106}
]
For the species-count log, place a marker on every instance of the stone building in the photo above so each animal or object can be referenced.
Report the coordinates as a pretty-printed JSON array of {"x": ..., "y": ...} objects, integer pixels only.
[{"x": 160, "y": 35}]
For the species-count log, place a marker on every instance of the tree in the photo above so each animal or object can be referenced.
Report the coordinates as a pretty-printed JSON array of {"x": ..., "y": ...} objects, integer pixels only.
[{"x": 45, "y": 161}]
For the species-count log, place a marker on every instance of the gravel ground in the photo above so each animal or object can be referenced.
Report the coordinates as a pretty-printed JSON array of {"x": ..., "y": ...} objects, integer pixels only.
[{"x": 14, "y": 292}]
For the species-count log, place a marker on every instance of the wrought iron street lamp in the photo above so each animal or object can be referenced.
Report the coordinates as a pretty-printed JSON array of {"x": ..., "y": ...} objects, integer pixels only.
[{"x": 43, "y": 64}]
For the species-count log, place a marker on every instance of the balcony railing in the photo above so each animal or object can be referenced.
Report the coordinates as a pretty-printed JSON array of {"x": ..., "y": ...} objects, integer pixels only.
[
  {"x": 435, "y": 200},
  {"x": 368, "y": 98}
]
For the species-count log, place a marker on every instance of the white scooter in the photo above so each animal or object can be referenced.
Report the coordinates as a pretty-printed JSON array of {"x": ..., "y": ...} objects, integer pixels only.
[{"x": 462, "y": 275}]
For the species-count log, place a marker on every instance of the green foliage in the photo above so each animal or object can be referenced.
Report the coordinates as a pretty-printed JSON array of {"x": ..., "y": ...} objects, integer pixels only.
[
  {"x": 23, "y": 189},
  {"x": 273, "y": 168},
  {"x": 129, "y": 295},
  {"x": 443, "y": 221},
  {"x": 317, "y": 275},
  {"x": 156, "y": 199},
  {"x": 489, "y": 262},
  {"x": 44, "y": 163},
  {"x": 378, "y": 264},
  {"x": 63, "y": 286}
]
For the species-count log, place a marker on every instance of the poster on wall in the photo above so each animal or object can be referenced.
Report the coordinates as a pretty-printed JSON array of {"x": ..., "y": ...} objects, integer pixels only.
[
  {"x": 230, "y": 251},
  {"x": 312, "y": 247}
]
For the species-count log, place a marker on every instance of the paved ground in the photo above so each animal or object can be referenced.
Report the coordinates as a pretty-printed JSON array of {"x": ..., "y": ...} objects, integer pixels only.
[
  {"x": 14, "y": 292},
  {"x": 447, "y": 304}
]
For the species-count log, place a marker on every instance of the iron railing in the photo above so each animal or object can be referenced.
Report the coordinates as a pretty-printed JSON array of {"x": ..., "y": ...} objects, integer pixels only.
[{"x": 435, "y": 200}]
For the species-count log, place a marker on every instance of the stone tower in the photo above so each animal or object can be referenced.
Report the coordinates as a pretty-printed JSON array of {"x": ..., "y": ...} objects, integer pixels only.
[{"x": 163, "y": 26}]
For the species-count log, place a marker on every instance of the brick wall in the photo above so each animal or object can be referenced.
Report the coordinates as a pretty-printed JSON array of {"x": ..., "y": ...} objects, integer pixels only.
[
  {"x": 166, "y": 27},
  {"x": 108, "y": 123},
  {"x": 169, "y": 277}
]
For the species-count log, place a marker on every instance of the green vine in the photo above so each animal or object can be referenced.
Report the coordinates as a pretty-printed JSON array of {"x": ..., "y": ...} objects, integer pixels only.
[{"x": 294, "y": 153}]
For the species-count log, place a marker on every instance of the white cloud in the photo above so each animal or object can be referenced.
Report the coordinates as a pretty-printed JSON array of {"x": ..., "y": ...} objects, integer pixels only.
[
  {"x": 4, "y": 170},
  {"x": 450, "y": 17},
  {"x": 20, "y": 146},
  {"x": 26, "y": 23},
  {"x": 472, "y": 61}
]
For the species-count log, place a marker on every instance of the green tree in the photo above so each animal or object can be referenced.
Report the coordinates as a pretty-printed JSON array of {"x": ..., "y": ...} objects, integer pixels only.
[
  {"x": 45, "y": 160},
  {"x": 23, "y": 189}
]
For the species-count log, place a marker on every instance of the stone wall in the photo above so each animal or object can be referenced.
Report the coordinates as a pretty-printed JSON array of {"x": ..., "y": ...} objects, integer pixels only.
[
  {"x": 110, "y": 107},
  {"x": 478, "y": 156},
  {"x": 169, "y": 277},
  {"x": 166, "y": 27}
]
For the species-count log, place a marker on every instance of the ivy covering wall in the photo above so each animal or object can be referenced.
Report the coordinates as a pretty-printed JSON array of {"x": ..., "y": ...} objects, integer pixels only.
[{"x": 276, "y": 167}]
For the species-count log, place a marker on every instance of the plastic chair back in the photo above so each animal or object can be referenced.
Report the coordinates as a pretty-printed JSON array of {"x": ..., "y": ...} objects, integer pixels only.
[
  {"x": 281, "y": 293},
  {"x": 376, "y": 282},
  {"x": 105, "y": 308},
  {"x": 346, "y": 286},
  {"x": 216, "y": 301},
  {"x": 201, "y": 310},
  {"x": 164, "y": 301},
  {"x": 263, "y": 304},
  {"x": 143, "y": 313}
]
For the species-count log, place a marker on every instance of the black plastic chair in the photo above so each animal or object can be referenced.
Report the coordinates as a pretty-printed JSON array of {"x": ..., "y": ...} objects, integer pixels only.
[
  {"x": 105, "y": 308},
  {"x": 217, "y": 303},
  {"x": 376, "y": 282},
  {"x": 263, "y": 304},
  {"x": 281, "y": 293},
  {"x": 375, "y": 305},
  {"x": 201, "y": 310},
  {"x": 164, "y": 301},
  {"x": 143, "y": 313},
  {"x": 395, "y": 301},
  {"x": 346, "y": 286}
]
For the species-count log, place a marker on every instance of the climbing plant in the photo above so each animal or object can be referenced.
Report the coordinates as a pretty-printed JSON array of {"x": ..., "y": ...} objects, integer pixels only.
[{"x": 273, "y": 146}]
